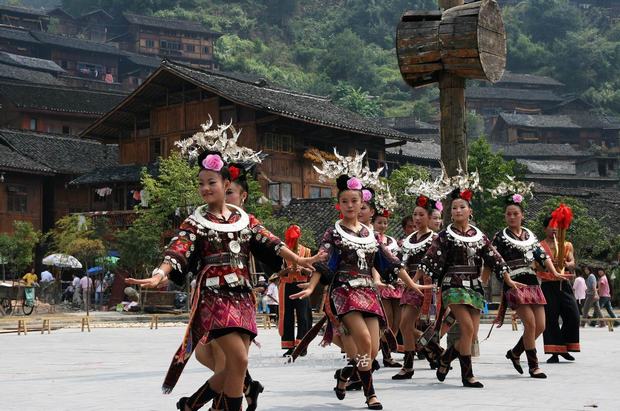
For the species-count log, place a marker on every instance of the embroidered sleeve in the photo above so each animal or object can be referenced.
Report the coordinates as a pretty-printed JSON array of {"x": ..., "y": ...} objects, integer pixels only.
[
  {"x": 387, "y": 263},
  {"x": 181, "y": 247},
  {"x": 434, "y": 261},
  {"x": 328, "y": 268},
  {"x": 493, "y": 259},
  {"x": 540, "y": 256},
  {"x": 263, "y": 240}
]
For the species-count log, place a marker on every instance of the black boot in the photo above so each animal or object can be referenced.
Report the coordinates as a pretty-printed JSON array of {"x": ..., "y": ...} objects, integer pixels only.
[
  {"x": 342, "y": 376},
  {"x": 251, "y": 393},
  {"x": 467, "y": 374},
  {"x": 369, "y": 390},
  {"x": 407, "y": 371},
  {"x": 231, "y": 404},
  {"x": 444, "y": 362},
  {"x": 388, "y": 361},
  {"x": 198, "y": 399},
  {"x": 532, "y": 364}
]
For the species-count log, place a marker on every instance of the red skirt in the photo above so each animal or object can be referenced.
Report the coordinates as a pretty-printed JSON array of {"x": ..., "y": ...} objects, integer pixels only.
[
  {"x": 395, "y": 293},
  {"x": 530, "y": 295},
  {"x": 412, "y": 298},
  {"x": 363, "y": 299},
  {"x": 233, "y": 310}
]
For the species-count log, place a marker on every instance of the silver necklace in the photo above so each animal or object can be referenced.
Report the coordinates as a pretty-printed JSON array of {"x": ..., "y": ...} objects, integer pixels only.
[
  {"x": 361, "y": 245},
  {"x": 524, "y": 246}
]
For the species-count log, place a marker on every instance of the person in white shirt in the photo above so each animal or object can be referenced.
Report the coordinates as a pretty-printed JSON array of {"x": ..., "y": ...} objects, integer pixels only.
[
  {"x": 47, "y": 277},
  {"x": 579, "y": 288},
  {"x": 86, "y": 284},
  {"x": 271, "y": 296}
]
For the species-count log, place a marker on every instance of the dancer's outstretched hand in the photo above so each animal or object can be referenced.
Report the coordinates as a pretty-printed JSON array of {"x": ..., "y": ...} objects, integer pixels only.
[
  {"x": 308, "y": 262},
  {"x": 152, "y": 282},
  {"x": 305, "y": 293}
]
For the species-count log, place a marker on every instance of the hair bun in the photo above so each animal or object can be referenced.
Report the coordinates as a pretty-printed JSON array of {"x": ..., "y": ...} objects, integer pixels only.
[{"x": 341, "y": 182}]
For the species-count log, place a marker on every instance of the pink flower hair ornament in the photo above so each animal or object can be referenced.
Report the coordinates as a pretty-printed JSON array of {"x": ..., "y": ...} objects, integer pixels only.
[
  {"x": 366, "y": 195},
  {"x": 213, "y": 162},
  {"x": 439, "y": 206},
  {"x": 517, "y": 198},
  {"x": 354, "y": 184}
]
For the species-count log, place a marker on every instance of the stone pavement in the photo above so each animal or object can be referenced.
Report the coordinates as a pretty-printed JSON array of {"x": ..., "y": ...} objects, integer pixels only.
[{"x": 122, "y": 369}]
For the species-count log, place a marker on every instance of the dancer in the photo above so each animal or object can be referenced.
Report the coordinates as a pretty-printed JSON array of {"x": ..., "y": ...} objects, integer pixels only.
[
  {"x": 222, "y": 236},
  {"x": 413, "y": 248},
  {"x": 391, "y": 295},
  {"x": 559, "y": 293},
  {"x": 290, "y": 279},
  {"x": 520, "y": 248},
  {"x": 454, "y": 260},
  {"x": 355, "y": 260}
]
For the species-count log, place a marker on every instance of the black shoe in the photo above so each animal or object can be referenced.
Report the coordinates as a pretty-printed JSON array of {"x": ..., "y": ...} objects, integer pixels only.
[
  {"x": 181, "y": 403},
  {"x": 254, "y": 390},
  {"x": 374, "y": 406},
  {"x": 390, "y": 363},
  {"x": 515, "y": 361},
  {"x": 340, "y": 393},
  {"x": 538, "y": 375},
  {"x": 421, "y": 355},
  {"x": 288, "y": 352},
  {"x": 404, "y": 376},
  {"x": 468, "y": 384},
  {"x": 567, "y": 356},
  {"x": 441, "y": 376},
  {"x": 303, "y": 353},
  {"x": 553, "y": 359},
  {"x": 354, "y": 385}
]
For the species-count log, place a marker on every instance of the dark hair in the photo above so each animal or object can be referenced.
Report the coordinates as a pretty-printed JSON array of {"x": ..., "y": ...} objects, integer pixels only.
[
  {"x": 425, "y": 203},
  {"x": 509, "y": 201},
  {"x": 242, "y": 179},
  {"x": 341, "y": 184},
  {"x": 405, "y": 221},
  {"x": 546, "y": 221},
  {"x": 224, "y": 172}
]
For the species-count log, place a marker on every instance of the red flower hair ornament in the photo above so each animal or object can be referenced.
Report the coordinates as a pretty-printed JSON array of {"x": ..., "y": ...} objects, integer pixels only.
[
  {"x": 234, "y": 173},
  {"x": 466, "y": 195}
]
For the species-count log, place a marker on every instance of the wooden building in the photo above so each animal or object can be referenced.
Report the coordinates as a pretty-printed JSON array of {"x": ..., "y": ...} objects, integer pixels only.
[
  {"x": 52, "y": 108},
  {"x": 35, "y": 169},
  {"x": 93, "y": 25},
  {"x": 181, "y": 40},
  {"x": 27, "y": 18},
  {"x": 18, "y": 41},
  {"x": 286, "y": 125}
]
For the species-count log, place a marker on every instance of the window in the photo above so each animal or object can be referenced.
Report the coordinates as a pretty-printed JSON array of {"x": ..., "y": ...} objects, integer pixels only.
[
  {"x": 33, "y": 124},
  {"x": 17, "y": 199},
  {"x": 278, "y": 142},
  {"x": 190, "y": 48},
  {"x": 90, "y": 70},
  {"x": 169, "y": 45},
  {"x": 206, "y": 50},
  {"x": 66, "y": 130},
  {"x": 150, "y": 44},
  {"x": 320, "y": 192},
  {"x": 280, "y": 193},
  {"x": 154, "y": 149}
]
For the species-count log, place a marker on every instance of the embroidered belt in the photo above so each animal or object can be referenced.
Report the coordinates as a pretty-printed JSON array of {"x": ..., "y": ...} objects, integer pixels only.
[
  {"x": 355, "y": 281},
  {"x": 462, "y": 276},
  {"x": 520, "y": 267},
  {"x": 223, "y": 259},
  {"x": 230, "y": 281}
]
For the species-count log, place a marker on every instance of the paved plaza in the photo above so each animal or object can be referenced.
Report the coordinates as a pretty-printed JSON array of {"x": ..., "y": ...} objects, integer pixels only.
[{"x": 123, "y": 368}]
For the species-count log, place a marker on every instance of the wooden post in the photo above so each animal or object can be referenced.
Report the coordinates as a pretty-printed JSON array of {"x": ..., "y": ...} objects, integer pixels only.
[{"x": 452, "y": 106}]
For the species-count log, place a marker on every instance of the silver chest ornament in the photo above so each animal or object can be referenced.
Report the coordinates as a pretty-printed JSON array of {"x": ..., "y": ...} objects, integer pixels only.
[
  {"x": 525, "y": 246},
  {"x": 361, "y": 245}
]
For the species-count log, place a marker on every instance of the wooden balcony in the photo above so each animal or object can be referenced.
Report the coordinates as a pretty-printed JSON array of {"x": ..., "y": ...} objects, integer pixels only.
[{"x": 115, "y": 220}]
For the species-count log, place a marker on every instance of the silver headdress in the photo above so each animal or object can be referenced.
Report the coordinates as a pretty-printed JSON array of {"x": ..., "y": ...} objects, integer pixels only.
[
  {"x": 512, "y": 187},
  {"x": 436, "y": 190},
  {"x": 218, "y": 140},
  {"x": 466, "y": 181},
  {"x": 350, "y": 166},
  {"x": 384, "y": 200}
]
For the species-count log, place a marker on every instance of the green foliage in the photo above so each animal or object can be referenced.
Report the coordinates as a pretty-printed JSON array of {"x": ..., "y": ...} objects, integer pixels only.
[
  {"x": 357, "y": 100},
  {"x": 590, "y": 237},
  {"x": 493, "y": 169},
  {"x": 17, "y": 250},
  {"x": 87, "y": 250},
  {"x": 399, "y": 181},
  {"x": 69, "y": 229},
  {"x": 140, "y": 246},
  {"x": 474, "y": 125}
]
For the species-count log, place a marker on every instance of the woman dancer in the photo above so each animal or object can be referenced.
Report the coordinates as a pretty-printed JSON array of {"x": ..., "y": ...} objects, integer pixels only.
[
  {"x": 454, "y": 261},
  {"x": 413, "y": 248},
  {"x": 390, "y": 296},
  {"x": 353, "y": 253},
  {"x": 222, "y": 236},
  {"x": 520, "y": 248}
]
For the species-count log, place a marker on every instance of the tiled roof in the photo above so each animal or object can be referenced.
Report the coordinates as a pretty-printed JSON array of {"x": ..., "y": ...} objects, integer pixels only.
[
  {"x": 17, "y": 35},
  {"x": 181, "y": 25},
  {"x": 30, "y": 62},
  {"x": 122, "y": 173},
  {"x": 287, "y": 103},
  {"x": 501, "y": 93},
  {"x": 407, "y": 123},
  {"x": 317, "y": 214},
  {"x": 425, "y": 149},
  {"x": 23, "y": 10},
  {"x": 530, "y": 150},
  {"x": 141, "y": 59},
  {"x": 61, "y": 99},
  {"x": 11, "y": 72},
  {"x": 549, "y": 167},
  {"x": 518, "y": 78},
  {"x": 61, "y": 154},
  {"x": 74, "y": 43},
  {"x": 539, "y": 120},
  {"x": 12, "y": 161}
]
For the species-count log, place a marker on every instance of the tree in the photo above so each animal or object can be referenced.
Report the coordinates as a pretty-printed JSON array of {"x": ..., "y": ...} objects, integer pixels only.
[
  {"x": 591, "y": 239},
  {"x": 493, "y": 169},
  {"x": 140, "y": 246},
  {"x": 399, "y": 181},
  {"x": 357, "y": 100},
  {"x": 17, "y": 250}
]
